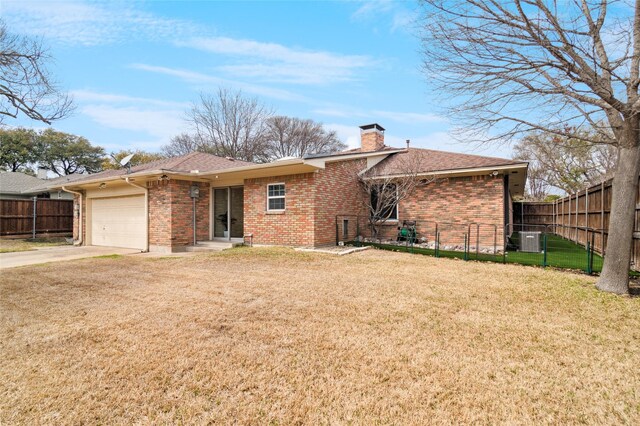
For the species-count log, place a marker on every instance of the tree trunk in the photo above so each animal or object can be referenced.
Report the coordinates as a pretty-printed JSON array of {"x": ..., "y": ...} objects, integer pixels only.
[{"x": 615, "y": 272}]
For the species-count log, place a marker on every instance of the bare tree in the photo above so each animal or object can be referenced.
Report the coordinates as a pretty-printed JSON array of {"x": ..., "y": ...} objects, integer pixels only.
[
  {"x": 295, "y": 137},
  {"x": 25, "y": 84},
  {"x": 182, "y": 144},
  {"x": 509, "y": 67},
  {"x": 568, "y": 164},
  {"x": 229, "y": 124},
  {"x": 385, "y": 185}
]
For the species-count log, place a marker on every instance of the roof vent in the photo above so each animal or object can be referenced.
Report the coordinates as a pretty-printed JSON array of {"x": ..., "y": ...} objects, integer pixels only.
[{"x": 195, "y": 171}]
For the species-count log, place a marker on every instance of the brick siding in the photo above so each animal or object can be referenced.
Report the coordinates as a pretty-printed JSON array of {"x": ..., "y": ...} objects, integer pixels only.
[
  {"x": 453, "y": 204},
  {"x": 294, "y": 226},
  {"x": 171, "y": 214},
  {"x": 337, "y": 194}
]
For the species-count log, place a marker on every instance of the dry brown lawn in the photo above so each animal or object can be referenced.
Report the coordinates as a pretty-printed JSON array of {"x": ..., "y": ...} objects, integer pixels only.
[{"x": 275, "y": 336}]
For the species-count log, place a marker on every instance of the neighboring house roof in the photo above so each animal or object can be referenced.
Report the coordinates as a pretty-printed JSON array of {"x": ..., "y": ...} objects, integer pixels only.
[
  {"x": 17, "y": 183},
  {"x": 45, "y": 185},
  {"x": 426, "y": 161},
  {"x": 185, "y": 164}
]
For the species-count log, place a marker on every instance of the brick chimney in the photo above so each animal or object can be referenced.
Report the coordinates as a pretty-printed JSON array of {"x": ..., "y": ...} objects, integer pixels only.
[{"x": 371, "y": 137}]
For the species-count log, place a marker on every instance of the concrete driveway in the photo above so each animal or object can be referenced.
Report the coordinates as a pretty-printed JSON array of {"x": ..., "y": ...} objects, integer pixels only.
[{"x": 57, "y": 254}]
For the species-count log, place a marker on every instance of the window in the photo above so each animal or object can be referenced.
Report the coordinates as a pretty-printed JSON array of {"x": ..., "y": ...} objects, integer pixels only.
[
  {"x": 275, "y": 197},
  {"x": 384, "y": 205}
]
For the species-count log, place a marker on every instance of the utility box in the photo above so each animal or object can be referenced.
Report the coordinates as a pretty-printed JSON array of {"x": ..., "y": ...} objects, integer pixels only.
[{"x": 530, "y": 242}]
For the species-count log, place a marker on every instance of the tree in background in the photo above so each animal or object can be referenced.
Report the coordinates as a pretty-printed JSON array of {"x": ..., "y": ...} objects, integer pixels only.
[
  {"x": 25, "y": 84},
  {"x": 508, "y": 67},
  {"x": 295, "y": 137},
  {"x": 65, "y": 154},
  {"x": 182, "y": 144},
  {"x": 140, "y": 157},
  {"x": 228, "y": 124},
  {"x": 18, "y": 149},
  {"x": 565, "y": 163}
]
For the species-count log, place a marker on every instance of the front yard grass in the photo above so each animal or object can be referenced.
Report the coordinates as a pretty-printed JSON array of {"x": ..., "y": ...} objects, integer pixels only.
[
  {"x": 277, "y": 336},
  {"x": 8, "y": 245}
]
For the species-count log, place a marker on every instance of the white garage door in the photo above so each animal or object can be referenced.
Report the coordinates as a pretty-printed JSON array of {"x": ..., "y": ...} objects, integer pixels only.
[{"x": 119, "y": 222}]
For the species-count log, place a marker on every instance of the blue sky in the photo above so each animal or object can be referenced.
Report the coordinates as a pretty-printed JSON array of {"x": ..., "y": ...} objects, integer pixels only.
[{"x": 133, "y": 68}]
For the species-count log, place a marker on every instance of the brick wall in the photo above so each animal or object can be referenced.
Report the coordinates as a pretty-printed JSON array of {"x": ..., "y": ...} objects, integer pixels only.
[
  {"x": 171, "y": 214},
  {"x": 294, "y": 226},
  {"x": 159, "y": 215},
  {"x": 337, "y": 194},
  {"x": 76, "y": 221},
  {"x": 182, "y": 213},
  {"x": 453, "y": 204},
  {"x": 313, "y": 200}
]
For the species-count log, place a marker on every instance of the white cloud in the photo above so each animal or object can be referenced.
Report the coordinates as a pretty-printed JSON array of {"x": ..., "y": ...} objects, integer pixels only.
[
  {"x": 378, "y": 115},
  {"x": 275, "y": 62},
  {"x": 90, "y": 24},
  {"x": 201, "y": 78},
  {"x": 155, "y": 118},
  {"x": 370, "y": 8},
  {"x": 90, "y": 96},
  {"x": 162, "y": 124},
  {"x": 348, "y": 134},
  {"x": 409, "y": 117},
  {"x": 401, "y": 18},
  {"x": 341, "y": 112}
]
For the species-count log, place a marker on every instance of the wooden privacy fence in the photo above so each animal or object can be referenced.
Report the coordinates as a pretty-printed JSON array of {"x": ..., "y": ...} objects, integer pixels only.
[
  {"x": 579, "y": 217},
  {"x": 51, "y": 216}
]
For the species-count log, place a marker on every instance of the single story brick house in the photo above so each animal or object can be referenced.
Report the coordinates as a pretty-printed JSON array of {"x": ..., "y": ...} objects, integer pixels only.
[{"x": 293, "y": 201}]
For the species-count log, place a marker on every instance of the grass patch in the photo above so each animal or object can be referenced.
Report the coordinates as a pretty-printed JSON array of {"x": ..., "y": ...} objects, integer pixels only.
[
  {"x": 9, "y": 245},
  {"x": 108, "y": 256},
  {"x": 561, "y": 254},
  {"x": 276, "y": 336}
]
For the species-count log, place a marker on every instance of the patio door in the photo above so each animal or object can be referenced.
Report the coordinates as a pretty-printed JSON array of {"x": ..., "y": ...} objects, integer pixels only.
[{"x": 225, "y": 201}]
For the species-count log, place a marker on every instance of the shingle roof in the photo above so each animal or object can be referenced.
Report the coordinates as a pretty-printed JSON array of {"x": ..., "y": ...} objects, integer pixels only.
[
  {"x": 16, "y": 182},
  {"x": 429, "y": 160},
  {"x": 194, "y": 161},
  {"x": 44, "y": 185}
]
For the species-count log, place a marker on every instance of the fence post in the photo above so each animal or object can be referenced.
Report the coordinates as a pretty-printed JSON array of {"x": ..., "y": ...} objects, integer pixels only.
[
  {"x": 589, "y": 257},
  {"x": 505, "y": 243},
  {"x": 35, "y": 200},
  {"x": 544, "y": 250},
  {"x": 466, "y": 247},
  {"x": 438, "y": 244}
]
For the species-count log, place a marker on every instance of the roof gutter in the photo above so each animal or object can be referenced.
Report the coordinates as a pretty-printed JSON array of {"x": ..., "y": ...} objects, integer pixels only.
[
  {"x": 457, "y": 171},
  {"x": 146, "y": 210},
  {"x": 80, "y": 229}
]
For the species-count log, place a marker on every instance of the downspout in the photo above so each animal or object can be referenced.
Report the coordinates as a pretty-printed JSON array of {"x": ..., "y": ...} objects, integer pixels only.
[
  {"x": 146, "y": 209},
  {"x": 80, "y": 229}
]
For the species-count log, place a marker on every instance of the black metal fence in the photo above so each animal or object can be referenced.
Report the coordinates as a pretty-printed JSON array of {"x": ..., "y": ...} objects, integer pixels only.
[{"x": 525, "y": 244}]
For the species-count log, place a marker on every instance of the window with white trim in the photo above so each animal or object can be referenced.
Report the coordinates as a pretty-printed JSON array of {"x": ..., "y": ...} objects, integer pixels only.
[{"x": 275, "y": 197}]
